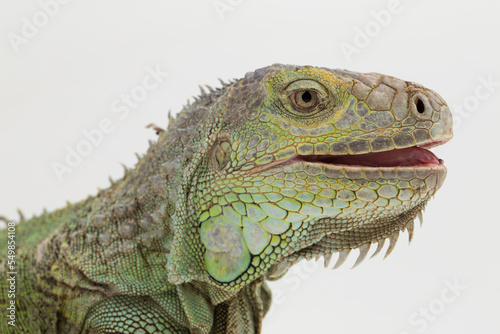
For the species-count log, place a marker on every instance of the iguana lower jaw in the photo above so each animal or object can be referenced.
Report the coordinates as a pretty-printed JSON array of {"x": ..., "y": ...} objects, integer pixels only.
[{"x": 331, "y": 244}]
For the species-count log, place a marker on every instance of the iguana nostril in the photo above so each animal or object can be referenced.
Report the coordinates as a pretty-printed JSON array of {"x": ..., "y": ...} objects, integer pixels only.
[{"x": 420, "y": 106}]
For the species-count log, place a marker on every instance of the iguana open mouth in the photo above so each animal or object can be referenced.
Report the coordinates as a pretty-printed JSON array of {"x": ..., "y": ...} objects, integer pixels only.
[{"x": 411, "y": 156}]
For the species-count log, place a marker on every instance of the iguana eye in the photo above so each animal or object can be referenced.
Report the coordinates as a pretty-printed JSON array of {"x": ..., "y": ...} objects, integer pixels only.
[{"x": 304, "y": 100}]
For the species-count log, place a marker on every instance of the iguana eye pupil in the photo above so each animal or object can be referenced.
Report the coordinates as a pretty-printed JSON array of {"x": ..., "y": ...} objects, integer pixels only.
[
  {"x": 306, "y": 96},
  {"x": 305, "y": 100}
]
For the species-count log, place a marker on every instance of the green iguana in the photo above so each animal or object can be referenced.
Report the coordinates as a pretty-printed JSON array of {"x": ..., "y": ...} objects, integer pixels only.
[{"x": 288, "y": 163}]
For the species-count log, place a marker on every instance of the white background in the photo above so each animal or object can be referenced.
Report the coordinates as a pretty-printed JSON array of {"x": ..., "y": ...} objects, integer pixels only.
[{"x": 65, "y": 77}]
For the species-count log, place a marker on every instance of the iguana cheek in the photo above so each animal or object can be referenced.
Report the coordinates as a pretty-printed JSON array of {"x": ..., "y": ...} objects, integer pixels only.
[{"x": 226, "y": 254}]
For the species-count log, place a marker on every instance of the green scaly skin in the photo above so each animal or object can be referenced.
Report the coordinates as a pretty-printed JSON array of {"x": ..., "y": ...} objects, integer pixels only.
[{"x": 246, "y": 181}]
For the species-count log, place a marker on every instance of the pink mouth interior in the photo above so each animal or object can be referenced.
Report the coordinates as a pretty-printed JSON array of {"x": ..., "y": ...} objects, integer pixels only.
[{"x": 411, "y": 156}]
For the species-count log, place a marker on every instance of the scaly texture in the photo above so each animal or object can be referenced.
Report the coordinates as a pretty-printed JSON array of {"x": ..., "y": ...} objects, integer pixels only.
[{"x": 288, "y": 163}]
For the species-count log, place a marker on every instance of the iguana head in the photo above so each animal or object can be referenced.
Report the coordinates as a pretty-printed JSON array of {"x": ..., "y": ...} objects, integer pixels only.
[{"x": 301, "y": 162}]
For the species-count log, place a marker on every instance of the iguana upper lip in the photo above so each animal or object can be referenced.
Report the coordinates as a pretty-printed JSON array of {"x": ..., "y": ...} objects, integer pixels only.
[{"x": 405, "y": 157}]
